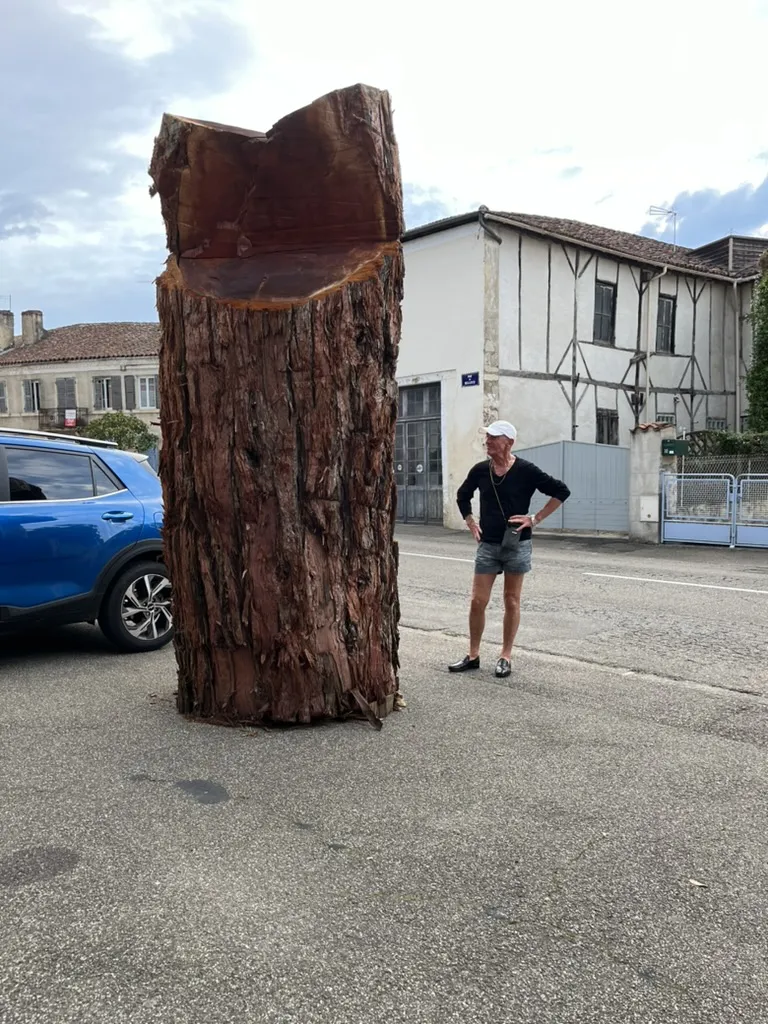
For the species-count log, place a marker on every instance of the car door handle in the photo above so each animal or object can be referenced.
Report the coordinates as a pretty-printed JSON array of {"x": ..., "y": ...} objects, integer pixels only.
[{"x": 117, "y": 517}]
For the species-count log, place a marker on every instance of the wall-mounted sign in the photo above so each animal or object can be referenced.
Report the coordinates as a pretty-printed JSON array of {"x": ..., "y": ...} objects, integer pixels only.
[
  {"x": 470, "y": 380},
  {"x": 70, "y": 417}
]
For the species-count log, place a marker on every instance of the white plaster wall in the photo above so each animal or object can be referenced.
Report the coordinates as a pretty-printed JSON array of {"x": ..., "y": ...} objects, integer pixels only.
[
  {"x": 533, "y": 321},
  {"x": 717, "y": 316},
  {"x": 508, "y": 299},
  {"x": 586, "y": 267},
  {"x": 442, "y": 338},
  {"x": 646, "y": 465},
  {"x": 537, "y": 408},
  {"x": 627, "y": 307},
  {"x": 561, "y": 308}
]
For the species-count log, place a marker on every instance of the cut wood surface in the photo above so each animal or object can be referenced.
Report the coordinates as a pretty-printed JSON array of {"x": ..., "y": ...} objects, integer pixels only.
[{"x": 280, "y": 315}]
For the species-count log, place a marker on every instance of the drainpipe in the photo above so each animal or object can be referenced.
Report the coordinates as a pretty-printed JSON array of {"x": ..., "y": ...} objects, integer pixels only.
[
  {"x": 737, "y": 353},
  {"x": 481, "y": 212},
  {"x": 655, "y": 277}
]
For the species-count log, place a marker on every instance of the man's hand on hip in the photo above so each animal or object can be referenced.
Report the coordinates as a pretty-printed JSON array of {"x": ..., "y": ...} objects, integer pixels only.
[
  {"x": 522, "y": 522},
  {"x": 474, "y": 529}
]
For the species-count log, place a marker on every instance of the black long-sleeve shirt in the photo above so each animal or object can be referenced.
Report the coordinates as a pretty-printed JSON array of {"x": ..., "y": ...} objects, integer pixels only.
[{"x": 515, "y": 491}]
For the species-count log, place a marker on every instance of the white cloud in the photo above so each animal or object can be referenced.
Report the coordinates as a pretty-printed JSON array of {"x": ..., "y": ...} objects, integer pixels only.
[
  {"x": 495, "y": 105},
  {"x": 491, "y": 105},
  {"x": 632, "y": 93},
  {"x": 142, "y": 28}
]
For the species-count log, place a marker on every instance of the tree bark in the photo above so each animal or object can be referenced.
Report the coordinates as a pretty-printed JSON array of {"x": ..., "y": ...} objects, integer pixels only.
[{"x": 280, "y": 316}]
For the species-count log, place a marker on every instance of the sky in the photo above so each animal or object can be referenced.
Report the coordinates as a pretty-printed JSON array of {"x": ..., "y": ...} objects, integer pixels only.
[{"x": 593, "y": 110}]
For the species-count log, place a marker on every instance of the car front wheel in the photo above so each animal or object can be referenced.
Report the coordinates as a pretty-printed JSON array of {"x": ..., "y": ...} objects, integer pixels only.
[{"x": 136, "y": 612}]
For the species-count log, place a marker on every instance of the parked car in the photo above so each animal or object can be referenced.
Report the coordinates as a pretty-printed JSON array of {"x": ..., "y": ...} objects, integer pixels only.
[{"x": 81, "y": 539}]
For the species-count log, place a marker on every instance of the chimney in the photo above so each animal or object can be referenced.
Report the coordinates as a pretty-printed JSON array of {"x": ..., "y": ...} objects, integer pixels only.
[
  {"x": 31, "y": 326},
  {"x": 6, "y": 329}
]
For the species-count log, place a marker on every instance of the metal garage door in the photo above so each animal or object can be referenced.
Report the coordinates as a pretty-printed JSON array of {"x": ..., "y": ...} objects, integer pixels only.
[{"x": 598, "y": 477}]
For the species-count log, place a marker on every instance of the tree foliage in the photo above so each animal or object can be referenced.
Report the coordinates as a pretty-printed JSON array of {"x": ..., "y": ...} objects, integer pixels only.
[
  {"x": 128, "y": 432},
  {"x": 757, "y": 378}
]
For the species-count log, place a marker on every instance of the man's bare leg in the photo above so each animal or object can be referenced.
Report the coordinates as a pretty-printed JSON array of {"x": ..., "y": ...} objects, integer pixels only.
[
  {"x": 482, "y": 585},
  {"x": 513, "y": 585}
]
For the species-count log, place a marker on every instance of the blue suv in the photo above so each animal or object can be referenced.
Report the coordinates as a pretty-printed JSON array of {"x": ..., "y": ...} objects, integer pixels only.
[{"x": 80, "y": 539}]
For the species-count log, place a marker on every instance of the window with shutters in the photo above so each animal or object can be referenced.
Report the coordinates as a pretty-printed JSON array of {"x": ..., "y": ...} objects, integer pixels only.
[
  {"x": 3, "y": 397},
  {"x": 607, "y": 426},
  {"x": 102, "y": 393},
  {"x": 665, "y": 324},
  {"x": 66, "y": 393},
  {"x": 148, "y": 392},
  {"x": 31, "y": 396},
  {"x": 605, "y": 313}
]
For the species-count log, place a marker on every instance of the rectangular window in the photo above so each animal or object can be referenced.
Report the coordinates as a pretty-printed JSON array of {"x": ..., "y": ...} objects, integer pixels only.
[
  {"x": 715, "y": 423},
  {"x": 40, "y": 475},
  {"x": 418, "y": 402},
  {"x": 31, "y": 396},
  {"x": 605, "y": 313},
  {"x": 3, "y": 397},
  {"x": 102, "y": 393},
  {"x": 665, "y": 324},
  {"x": 607, "y": 426},
  {"x": 666, "y": 417},
  {"x": 148, "y": 392}
]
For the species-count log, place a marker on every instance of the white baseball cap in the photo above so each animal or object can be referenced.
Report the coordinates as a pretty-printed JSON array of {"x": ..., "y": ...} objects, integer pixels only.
[{"x": 501, "y": 428}]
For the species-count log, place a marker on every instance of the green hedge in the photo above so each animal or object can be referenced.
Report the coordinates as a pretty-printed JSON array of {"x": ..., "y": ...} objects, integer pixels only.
[{"x": 721, "y": 442}]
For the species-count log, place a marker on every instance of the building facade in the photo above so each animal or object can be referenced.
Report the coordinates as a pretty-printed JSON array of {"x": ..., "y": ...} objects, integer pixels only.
[
  {"x": 63, "y": 378},
  {"x": 572, "y": 331}
]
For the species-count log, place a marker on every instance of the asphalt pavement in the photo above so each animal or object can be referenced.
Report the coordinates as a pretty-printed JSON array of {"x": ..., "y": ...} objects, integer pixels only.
[{"x": 584, "y": 842}]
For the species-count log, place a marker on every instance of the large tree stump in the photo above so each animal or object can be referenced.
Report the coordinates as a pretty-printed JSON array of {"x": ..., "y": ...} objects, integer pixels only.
[{"x": 280, "y": 315}]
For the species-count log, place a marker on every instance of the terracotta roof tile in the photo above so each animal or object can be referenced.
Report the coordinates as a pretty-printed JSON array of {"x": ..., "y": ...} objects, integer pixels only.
[
  {"x": 87, "y": 341},
  {"x": 623, "y": 242}
]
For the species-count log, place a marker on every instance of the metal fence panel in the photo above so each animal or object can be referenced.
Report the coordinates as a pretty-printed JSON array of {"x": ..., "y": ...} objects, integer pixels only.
[
  {"x": 598, "y": 477},
  {"x": 718, "y": 465},
  {"x": 698, "y": 508},
  {"x": 751, "y": 518}
]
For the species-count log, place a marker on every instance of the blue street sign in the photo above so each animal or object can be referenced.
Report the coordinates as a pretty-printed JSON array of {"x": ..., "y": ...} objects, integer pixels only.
[{"x": 469, "y": 380}]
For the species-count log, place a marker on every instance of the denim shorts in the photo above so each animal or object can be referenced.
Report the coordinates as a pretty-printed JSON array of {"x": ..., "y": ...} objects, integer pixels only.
[{"x": 492, "y": 558}]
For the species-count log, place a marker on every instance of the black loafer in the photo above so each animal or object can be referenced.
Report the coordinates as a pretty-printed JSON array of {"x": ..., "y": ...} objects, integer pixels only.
[
  {"x": 465, "y": 665},
  {"x": 503, "y": 668}
]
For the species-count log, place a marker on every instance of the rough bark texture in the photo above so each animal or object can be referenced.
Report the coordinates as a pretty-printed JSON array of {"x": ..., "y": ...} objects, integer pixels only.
[{"x": 280, "y": 314}]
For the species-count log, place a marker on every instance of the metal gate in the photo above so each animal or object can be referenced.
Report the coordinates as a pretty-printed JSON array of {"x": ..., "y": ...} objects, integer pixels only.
[
  {"x": 418, "y": 455},
  {"x": 716, "y": 508},
  {"x": 697, "y": 508},
  {"x": 751, "y": 514}
]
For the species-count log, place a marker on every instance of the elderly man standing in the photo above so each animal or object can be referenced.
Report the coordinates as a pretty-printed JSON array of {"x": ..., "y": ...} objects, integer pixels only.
[{"x": 506, "y": 484}]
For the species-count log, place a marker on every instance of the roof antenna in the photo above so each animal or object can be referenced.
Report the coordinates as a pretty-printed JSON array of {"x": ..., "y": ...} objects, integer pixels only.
[{"x": 661, "y": 211}]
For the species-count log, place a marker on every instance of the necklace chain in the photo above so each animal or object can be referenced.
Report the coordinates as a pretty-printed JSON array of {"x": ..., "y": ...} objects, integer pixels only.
[{"x": 504, "y": 477}]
